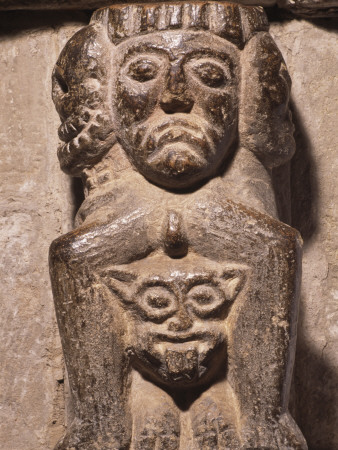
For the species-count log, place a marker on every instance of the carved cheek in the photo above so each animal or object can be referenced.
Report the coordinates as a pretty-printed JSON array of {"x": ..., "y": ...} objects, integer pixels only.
[
  {"x": 136, "y": 101},
  {"x": 221, "y": 108}
]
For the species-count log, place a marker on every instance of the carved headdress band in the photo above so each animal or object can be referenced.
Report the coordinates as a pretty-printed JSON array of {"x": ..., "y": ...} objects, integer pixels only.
[{"x": 231, "y": 21}]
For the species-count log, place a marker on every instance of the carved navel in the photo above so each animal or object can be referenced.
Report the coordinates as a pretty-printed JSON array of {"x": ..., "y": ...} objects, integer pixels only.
[{"x": 175, "y": 239}]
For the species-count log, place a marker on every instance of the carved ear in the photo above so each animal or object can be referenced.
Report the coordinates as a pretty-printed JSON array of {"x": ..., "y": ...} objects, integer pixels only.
[
  {"x": 265, "y": 124},
  {"x": 80, "y": 94},
  {"x": 233, "y": 281}
]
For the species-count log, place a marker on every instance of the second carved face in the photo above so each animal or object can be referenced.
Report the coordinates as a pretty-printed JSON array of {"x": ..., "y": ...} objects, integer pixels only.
[
  {"x": 177, "y": 318},
  {"x": 175, "y": 104}
]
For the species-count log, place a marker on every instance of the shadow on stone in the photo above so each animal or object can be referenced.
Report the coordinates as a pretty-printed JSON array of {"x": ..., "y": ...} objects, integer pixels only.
[
  {"x": 313, "y": 404},
  {"x": 16, "y": 22},
  {"x": 316, "y": 395},
  {"x": 304, "y": 184},
  {"x": 77, "y": 195}
]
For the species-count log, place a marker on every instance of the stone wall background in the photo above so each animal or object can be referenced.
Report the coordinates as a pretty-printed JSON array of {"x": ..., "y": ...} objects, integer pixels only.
[
  {"x": 36, "y": 206},
  {"x": 311, "y": 53},
  {"x": 38, "y": 203}
]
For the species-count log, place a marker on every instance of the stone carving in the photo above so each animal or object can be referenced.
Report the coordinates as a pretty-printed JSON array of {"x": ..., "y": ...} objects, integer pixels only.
[{"x": 176, "y": 295}]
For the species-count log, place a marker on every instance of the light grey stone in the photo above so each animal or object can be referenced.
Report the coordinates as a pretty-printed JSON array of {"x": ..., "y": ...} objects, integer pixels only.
[{"x": 36, "y": 205}]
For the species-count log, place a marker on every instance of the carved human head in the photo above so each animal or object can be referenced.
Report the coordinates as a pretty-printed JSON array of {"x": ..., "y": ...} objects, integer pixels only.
[{"x": 178, "y": 85}]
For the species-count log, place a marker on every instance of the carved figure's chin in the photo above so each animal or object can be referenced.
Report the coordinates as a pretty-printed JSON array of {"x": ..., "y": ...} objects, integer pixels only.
[{"x": 177, "y": 165}]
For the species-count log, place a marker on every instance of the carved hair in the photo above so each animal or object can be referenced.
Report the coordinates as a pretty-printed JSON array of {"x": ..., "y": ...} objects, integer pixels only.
[
  {"x": 230, "y": 21},
  {"x": 81, "y": 77}
]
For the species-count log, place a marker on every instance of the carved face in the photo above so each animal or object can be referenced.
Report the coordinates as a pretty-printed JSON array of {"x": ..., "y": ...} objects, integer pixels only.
[
  {"x": 178, "y": 317},
  {"x": 175, "y": 104}
]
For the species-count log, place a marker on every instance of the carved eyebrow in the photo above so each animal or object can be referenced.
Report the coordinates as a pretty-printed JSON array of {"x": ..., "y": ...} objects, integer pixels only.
[
  {"x": 203, "y": 52},
  {"x": 119, "y": 275},
  {"x": 155, "y": 282},
  {"x": 144, "y": 48},
  {"x": 202, "y": 278},
  {"x": 222, "y": 58}
]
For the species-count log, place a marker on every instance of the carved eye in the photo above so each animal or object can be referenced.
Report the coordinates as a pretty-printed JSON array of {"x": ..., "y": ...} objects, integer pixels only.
[
  {"x": 210, "y": 74},
  {"x": 143, "y": 70},
  {"x": 205, "y": 299},
  {"x": 59, "y": 82},
  {"x": 157, "y": 302}
]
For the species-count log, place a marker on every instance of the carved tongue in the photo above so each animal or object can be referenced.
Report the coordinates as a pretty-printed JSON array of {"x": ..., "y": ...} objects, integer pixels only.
[
  {"x": 182, "y": 365},
  {"x": 175, "y": 240}
]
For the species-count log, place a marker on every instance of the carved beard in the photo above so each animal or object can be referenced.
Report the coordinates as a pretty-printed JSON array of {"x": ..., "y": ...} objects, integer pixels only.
[
  {"x": 177, "y": 144},
  {"x": 174, "y": 147}
]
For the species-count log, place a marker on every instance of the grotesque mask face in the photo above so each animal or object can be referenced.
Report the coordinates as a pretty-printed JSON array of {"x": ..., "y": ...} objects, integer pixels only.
[
  {"x": 177, "y": 317},
  {"x": 175, "y": 104}
]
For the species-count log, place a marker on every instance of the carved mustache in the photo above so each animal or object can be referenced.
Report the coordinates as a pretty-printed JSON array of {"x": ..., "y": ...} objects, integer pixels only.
[
  {"x": 178, "y": 134},
  {"x": 178, "y": 129}
]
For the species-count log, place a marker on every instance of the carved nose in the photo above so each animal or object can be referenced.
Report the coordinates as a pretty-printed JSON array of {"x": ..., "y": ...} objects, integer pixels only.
[
  {"x": 175, "y": 98},
  {"x": 181, "y": 322},
  {"x": 172, "y": 104}
]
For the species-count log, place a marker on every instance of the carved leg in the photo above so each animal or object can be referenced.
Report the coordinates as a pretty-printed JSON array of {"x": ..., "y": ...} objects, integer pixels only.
[
  {"x": 91, "y": 329},
  {"x": 156, "y": 423},
  {"x": 213, "y": 419}
]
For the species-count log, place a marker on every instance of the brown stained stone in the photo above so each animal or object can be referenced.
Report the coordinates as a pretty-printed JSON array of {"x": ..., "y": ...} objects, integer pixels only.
[
  {"x": 307, "y": 8},
  {"x": 177, "y": 294},
  {"x": 88, "y": 4},
  {"x": 310, "y": 8}
]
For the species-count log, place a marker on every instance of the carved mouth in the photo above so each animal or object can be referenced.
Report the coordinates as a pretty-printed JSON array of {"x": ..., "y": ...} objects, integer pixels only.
[
  {"x": 73, "y": 125},
  {"x": 181, "y": 338}
]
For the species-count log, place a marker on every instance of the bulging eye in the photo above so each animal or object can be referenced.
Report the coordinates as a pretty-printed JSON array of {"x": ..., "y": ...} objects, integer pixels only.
[
  {"x": 143, "y": 70},
  {"x": 156, "y": 302},
  {"x": 205, "y": 299},
  {"x": 210, "y": 74}
]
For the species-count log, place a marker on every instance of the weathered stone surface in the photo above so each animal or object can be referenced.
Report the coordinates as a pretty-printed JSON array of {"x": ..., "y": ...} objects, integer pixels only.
[
  {"x": 89, "y": 4},
  {"x": 167, "y": 285},
  {"x": 36, "y": 205}
]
